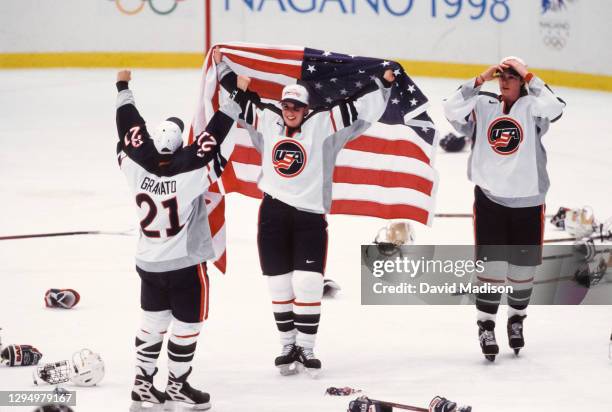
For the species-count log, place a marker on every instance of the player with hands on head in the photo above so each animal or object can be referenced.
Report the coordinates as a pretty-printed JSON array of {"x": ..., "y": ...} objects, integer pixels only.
[
  {"x": 298, "y": 147},
  {"x": 508, "y": 168},
  {"x": 167, "y": 181}
]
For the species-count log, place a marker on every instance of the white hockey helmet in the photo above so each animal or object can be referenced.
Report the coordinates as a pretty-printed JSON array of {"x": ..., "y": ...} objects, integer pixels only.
[
  {"x": 87, "y": 368},
  {"x": 518, "y": 59},
  {"x": 397, "y": 232},
  {"x": 168, "y": 136},
  {"x": 580, "y": 222}
]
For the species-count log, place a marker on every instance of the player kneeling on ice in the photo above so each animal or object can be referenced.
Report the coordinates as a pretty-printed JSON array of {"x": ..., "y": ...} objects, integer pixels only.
[
  {"x": 508, "y": 167},
  {"x": 298, "y": 149},
  {"x": 168, "y": 181}
]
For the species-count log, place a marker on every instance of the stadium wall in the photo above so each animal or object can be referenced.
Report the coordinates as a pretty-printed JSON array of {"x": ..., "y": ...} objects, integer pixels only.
[{"x": 565, "y": 41}]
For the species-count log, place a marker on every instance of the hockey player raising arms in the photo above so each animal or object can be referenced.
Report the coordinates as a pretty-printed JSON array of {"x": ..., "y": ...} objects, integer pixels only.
[
  {"x": 167, "y": 181},
  {"x": 298, "y": 149},
  {"x": 508, "y": 167}
]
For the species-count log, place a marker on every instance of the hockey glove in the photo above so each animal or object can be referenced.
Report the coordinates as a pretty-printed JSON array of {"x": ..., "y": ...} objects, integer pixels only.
[
  {"x": 20, "y": 355},
  {"x": 364, "y": 404},
  {"x": 558, "y": 219},
  {"x": 330, "y": 288},
  {"x": 61, "y": 298},
  {"x": 440, "y": 404}
]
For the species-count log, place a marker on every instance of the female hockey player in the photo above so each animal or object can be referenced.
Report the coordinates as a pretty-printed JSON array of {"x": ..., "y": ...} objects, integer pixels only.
[
  {"x": 508, "y": 166},
  {"x": 167, "y": 181},
  {"x": 298, "y": 148}
]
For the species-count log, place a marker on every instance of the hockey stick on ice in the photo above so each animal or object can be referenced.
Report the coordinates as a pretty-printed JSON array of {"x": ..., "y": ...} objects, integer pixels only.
[
  {"x": 76, "y": 233},
  {"x": 466, "y": 215},
  {"x": 600, "y": 237},
  {"x": 400, "y": 406}
]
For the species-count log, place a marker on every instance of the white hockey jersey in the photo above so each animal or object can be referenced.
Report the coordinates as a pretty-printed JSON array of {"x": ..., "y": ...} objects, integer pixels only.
[
  {"x": 297, "y": 166},
  {"x": 167, "y": 189},
  {"x": 508, "y": 160}
]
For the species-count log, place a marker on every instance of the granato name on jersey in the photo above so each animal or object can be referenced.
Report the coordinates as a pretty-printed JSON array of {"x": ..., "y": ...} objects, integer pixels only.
[{"x": 157, "y": 187}]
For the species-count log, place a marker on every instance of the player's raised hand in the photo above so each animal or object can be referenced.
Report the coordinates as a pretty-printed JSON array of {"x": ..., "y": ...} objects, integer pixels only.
[
  {"x": 217, "y": 56},
  {"x": 489, "y": 74},
  {"x": 124, "y": 75},
  {"x": 519, "y": 67},
  {"x": 389, "y": 76},
  {"x": 243, "y": 82}
]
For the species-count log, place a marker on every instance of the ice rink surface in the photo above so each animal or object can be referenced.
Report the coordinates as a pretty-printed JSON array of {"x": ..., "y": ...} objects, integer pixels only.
[{"x": 59, "y": 173}]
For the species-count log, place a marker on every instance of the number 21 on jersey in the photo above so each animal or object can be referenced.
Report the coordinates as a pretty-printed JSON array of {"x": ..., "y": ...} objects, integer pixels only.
[{"x": 171, "y": 206}]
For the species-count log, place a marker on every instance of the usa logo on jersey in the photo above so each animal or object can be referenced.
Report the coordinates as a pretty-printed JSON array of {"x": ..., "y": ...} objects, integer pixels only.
[
  {"x": 505, "y": 135},
  {"x": 288, "y": 158}
]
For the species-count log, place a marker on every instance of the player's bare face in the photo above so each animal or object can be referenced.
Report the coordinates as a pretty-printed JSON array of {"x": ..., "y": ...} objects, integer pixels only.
[
  {"x": 293, "y": 115},
  {"x": 510, "y": 87}
]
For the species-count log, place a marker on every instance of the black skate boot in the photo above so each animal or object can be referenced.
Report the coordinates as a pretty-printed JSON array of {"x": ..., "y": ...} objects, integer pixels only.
[
  {"x": 308, "y": 360},
  {"x": 144, "y": 391},
  {"x": 286, "y": 362},
  {"x": 178, "y": 390},
  {"x": 486, "y": 336},
  {"x": 516, "y": 340}
]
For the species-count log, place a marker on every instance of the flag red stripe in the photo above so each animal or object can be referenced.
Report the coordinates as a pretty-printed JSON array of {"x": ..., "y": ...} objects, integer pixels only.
[
  {"x": 214, "y": 188},
  {"x": 274, "y": 53},
  {"x": 248, "y": 155},
  {"x": 190, "y": 138},
  {"x": 221, "y": 263},
  {"x": 243, "y": 187},
  {"x": 264, "y": 66},
  {"x": 266, "y": 89},
  {"x": 384, "y": 178},
  {"x": 388, "y": 147},
  {"x": 216, "y": 218},
  {"x": 232, "y": 184},
  {"x": 367, "y": 208}
]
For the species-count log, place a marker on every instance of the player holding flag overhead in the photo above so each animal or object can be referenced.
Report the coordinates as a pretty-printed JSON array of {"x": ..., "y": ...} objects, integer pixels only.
[
  {"x": 168, "y": 181},
  {"x": 298, "y": 149},
  {"x": 508, "y": 167}
]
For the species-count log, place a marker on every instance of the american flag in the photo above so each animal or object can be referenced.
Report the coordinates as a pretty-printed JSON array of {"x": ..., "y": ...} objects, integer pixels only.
[{"x": 387, "y": 172}]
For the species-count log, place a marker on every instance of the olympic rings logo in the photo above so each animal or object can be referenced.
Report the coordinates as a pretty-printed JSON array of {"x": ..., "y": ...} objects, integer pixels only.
[
  {"x": 137, "y": 9},
  {"x": 554, "y": 42}
]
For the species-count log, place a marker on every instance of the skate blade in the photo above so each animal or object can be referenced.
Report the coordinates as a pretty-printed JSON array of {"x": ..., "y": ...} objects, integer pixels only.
[
  {"x": 138, "y": 406},
  {"x": 313, "y": 373},
  {"x": 288, "y": 370},
  {"x": 176, "y": 406},
  {"x": 490, "y": 358},
  {"x": 516, "y": 351}
]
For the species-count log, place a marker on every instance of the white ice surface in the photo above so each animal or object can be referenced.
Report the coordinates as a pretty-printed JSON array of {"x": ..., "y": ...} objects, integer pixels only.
[{"x": 58, "y": 168}]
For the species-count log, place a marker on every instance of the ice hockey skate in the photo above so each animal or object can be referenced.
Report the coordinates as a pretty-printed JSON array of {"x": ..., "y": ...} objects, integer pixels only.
[
  {"x": 145, "y": 397},
  {"x": 486, "y": 336},
  {"x": 180, "y": 394},
  {"x": 308, "y": 361},
  {"x": 286, "y": 362},
  {"x": 516, "y": 340}
]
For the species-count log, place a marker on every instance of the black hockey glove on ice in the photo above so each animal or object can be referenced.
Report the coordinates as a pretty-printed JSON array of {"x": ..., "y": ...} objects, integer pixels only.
[
  {"x": 363, "y": 404},
  {"x": 440, "y": 404},
  {"x": 20, "y": 355}
]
